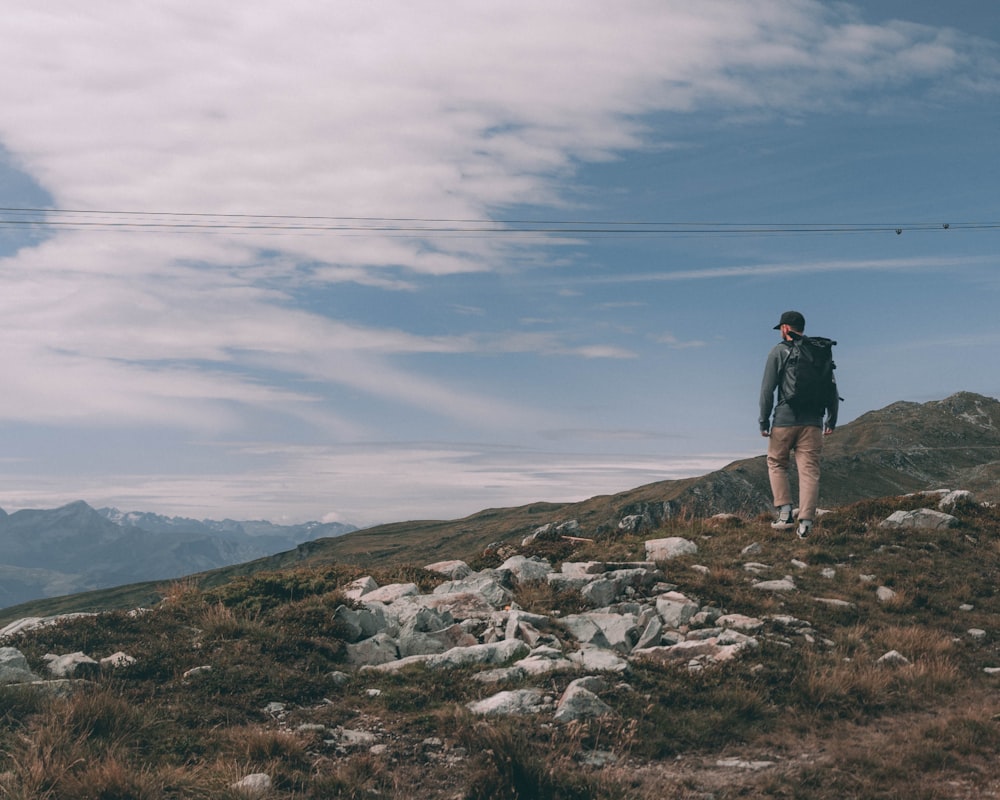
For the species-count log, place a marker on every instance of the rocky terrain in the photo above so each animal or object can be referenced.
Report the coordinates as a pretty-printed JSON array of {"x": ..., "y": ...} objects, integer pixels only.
[
  {"x": 716, "y": 659},
  {"x": 661, "y": 642}
]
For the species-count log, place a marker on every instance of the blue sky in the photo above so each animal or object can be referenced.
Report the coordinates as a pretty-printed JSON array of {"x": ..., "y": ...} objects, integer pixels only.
[{"x": 377, "y": 262}]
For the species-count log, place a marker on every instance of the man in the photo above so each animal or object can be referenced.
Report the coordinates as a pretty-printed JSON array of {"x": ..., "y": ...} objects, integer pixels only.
[{"x": 799, "y": 429}]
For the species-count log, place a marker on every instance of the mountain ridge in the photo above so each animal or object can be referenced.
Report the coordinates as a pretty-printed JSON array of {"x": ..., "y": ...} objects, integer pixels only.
[{"x": 76, "y": 548}]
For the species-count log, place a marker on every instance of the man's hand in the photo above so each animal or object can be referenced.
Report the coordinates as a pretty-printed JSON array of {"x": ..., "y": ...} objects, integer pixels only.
[
  {"x": 765, "y": 433},
  {"x": 827, "y": 431}
]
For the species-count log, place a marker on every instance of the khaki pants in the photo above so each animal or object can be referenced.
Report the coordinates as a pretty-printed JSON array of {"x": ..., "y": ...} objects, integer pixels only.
[{"x": 807, "y": 441}]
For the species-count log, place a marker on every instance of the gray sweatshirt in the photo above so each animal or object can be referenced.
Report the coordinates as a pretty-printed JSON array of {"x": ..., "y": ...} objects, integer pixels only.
[{"x": 784, "y": 415}]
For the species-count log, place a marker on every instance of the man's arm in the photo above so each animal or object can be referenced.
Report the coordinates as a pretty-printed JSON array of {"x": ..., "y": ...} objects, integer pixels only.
[{"x": 767, "y": 387}]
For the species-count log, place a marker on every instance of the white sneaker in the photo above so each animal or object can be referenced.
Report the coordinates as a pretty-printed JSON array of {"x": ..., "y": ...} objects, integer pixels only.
[
  {"x": 785, "y": 519},
  {"x": 805, "y": 528}
]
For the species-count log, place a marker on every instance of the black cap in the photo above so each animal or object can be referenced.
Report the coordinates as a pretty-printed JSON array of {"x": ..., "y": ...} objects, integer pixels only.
[{"x": 794, "y": 319}]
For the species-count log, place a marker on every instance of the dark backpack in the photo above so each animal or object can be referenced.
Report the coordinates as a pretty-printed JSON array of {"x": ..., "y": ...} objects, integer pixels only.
[{"x": 807, "y": 382}]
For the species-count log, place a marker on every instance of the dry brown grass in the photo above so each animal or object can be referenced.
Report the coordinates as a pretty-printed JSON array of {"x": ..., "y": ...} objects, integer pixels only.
[{"x": 832, "y": 721}]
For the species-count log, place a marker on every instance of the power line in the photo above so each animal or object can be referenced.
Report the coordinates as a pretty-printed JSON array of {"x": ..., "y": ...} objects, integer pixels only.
[{"x": 288, "y": 224}]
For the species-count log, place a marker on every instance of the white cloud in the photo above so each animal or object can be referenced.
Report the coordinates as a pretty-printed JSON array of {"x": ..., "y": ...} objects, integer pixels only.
[
  {"x": 365, "y": 484},
  {"x": 344, "y": 113},
  {"x": 677, "y": 344},
  {"x": 913, "y": 264}
]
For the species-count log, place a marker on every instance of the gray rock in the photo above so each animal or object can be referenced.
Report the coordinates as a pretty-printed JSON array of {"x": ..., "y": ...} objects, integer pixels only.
[
  {"x": 31, "y": 623},
  {"x": 357, "y": 589},
  {"x": 396, "y": 666},
  {"x": 525, "y": 625},
  {"x": 255, "y": 786},
  {"x": 714, "y": 650},
  {"x": 522, "y": 701},
  {"x": 893, "y": 659},
  {"x": 117, "y": 660},
  {"x": 597, "y": 659},
  {"x": 950, "y": 500},
  {"x": 526, "y": 569},
  {"x": 585, "y": 630},
  {"x": 621, "y": 631},
  {"x": 786, "y": 584},
  {"x": 359, "y": 623},
  {"x": 669, "y": 548},
  {"x": 461, "y": 605},
  {"x": 14, "y": 667},
  {"x": 492, "y": 654},
  {"x": 484, "y": 584},
  {"x": 603, "y": 591},
  {"x": 453, "y": 570},
  {"x": 884, "y": 594},
  {"x": 414, "y": 642},
  {"x": 379, "y": 649},
  {"x": 920, "y": 519},
  {"x": 583, "y": 569},
  {"x": 675, "y": 609},
  {"x": 542, "y": 661},
  {"x": 835, "y": 602},
  {"x": 579, "y": 702},
  {"x": 72, "y": 665},
  {"x": 346, "y": 737},
  {"x": 391, "y": 593},
  {"x": 651, "y": 634}
]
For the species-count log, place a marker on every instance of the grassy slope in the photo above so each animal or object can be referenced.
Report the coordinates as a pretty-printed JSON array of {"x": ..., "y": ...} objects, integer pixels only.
[{"x": 830, "y": 721}]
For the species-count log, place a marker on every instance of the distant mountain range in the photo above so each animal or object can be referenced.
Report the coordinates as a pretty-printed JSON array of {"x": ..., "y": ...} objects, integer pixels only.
[
  {"x": 45, "y": 553},
  {"x": 905, "y": 447}
]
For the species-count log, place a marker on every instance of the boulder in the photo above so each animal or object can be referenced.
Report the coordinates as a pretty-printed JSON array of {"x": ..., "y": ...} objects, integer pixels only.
[
  {"x": 391, "y": 593},
  {"x": 926, "y": 519},
  {"x": 579, "y": 702},
  {"x": 14, "y": 667},
  {"x": 485, "y": 584},
  {"x": 526, "y": 569},
  {"x": 72, "y": 665},
  {"x": 492, "y": 654},
  {"x": 598, "y": 659},
  {"x": 786, "y": 584},
  {"x": 255, "y": 786},
  {"x": 522, "y": 701},
  {"x": 675, "y": 609},
  {"x": 357, "y": 589},
  {"x": 453, "y": 570},
  {"x": 669, "y": 548},
  {"x": 379, "y": 649}
]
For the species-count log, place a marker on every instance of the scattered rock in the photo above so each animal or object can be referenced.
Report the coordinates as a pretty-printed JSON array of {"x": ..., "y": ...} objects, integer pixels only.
[
  {"x": 14, "y": 667},
  {"x": 920, "y": 519},
  {"x": 72, "y": 665},
  {"x": 884, "y": 594},
  {"x": 578, "y": 702},
  {"x": 894, "y": 659},
  {"x": 253, "y": 786},
  {"x": 669, "y": 548},
  {"x": 951, "y": 499},
  {"x": 521, "y": 701},
  {"x": 786, "y": 584}
]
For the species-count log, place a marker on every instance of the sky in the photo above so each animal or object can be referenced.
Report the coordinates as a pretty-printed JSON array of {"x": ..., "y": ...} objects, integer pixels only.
[{"x": 374, "y": 262}]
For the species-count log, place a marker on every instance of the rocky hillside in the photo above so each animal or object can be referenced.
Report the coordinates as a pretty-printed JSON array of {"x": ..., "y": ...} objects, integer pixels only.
[
  {"x": 905, "y": 447},
  {"x": 708, "y": 658}
]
